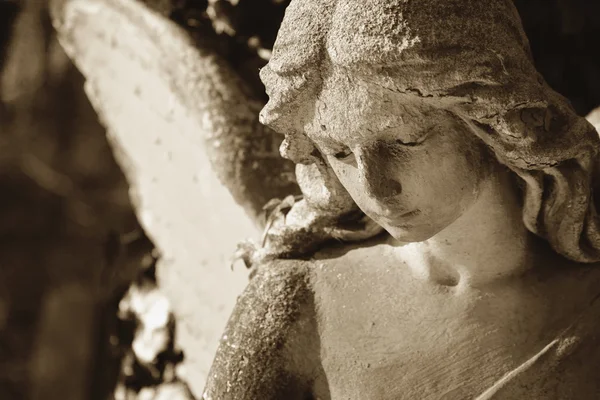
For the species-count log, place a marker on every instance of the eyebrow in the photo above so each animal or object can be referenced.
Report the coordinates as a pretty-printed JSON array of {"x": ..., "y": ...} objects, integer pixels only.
[{"x": 329, "y": 139}]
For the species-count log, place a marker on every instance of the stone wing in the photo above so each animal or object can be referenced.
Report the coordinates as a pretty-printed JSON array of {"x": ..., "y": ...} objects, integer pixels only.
[{"x": 184, "y": 128}]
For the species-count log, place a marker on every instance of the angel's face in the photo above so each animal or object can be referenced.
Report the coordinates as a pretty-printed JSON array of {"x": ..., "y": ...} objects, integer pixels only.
[{"x": 411, "y": 168}]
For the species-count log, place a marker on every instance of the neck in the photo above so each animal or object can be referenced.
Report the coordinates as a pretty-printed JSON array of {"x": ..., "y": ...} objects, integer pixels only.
[{"x": 487, "y": 243}]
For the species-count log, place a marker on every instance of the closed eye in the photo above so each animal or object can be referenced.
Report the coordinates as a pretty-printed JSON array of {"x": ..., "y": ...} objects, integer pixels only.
[
  {"x": 417, "y": 142},
  {"x": 409, "y": 144}
]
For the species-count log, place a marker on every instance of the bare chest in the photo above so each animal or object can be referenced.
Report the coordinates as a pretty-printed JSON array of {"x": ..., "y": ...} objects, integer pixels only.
[{"x": 385, "y": 336}]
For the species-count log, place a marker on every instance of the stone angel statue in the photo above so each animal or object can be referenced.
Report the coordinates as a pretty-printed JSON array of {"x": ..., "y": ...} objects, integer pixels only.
[
  {"x": 444, "y": 239},
  {"x": 436, "y": 123}
]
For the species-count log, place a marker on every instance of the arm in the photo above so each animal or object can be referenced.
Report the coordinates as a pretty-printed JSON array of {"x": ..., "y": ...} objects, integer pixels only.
[{"x": 267, "y": 350}]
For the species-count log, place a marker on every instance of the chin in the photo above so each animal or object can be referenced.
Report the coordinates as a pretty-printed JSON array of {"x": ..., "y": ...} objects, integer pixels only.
[{"x": 411, "y": 234}]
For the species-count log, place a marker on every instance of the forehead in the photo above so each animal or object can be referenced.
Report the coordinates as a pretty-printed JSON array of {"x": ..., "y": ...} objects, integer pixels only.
[{"x": 350, "y": 109}]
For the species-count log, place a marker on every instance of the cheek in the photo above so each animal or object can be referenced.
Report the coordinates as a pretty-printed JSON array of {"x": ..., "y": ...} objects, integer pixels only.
[
  {"x": 452, "y": 182},
  {"x": 441, "y": 181}
]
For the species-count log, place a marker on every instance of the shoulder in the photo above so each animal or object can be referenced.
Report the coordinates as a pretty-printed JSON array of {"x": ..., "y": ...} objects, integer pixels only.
[
  {"x": 280, "y": 278},
  {"x": 275, "y": 296},
  {"x": 267, "y": 348},
  {"x": 282, "y": 295}
]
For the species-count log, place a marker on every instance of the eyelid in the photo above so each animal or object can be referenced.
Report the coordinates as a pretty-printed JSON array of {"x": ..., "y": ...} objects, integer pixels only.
[
  {"x": 336, "y": 150},
  {"x": 340, "y": 155},
  {"x": 409, "y": 144}
]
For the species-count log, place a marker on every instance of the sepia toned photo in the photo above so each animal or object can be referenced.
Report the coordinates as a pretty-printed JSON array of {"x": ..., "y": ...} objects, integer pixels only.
[{"x": 299, "y": 200}]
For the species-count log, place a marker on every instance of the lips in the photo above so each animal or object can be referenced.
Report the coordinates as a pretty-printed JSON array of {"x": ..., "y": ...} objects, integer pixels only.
[
  {"x": 395, "y": 218},
  {"x": 410, "y": 214}
]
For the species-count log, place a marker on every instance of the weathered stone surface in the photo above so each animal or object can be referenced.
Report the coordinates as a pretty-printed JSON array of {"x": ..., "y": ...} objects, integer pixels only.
[
  {"x": 424, "y": 52},
  {"x": 352, "y": 295},
  {"x": 433, "y": 118}
]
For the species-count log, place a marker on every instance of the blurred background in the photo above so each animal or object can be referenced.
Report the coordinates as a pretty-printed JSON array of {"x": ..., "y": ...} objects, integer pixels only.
[
  {"x": 64, "y": 203},
  {"x": 60, "y": 195}
]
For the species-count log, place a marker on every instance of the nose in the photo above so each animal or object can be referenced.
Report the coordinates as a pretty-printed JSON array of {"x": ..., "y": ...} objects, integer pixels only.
[{"x": 375, "y": 172}]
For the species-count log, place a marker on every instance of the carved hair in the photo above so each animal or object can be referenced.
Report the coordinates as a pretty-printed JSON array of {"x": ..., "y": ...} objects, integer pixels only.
[{"x": 470, "y": 57}]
